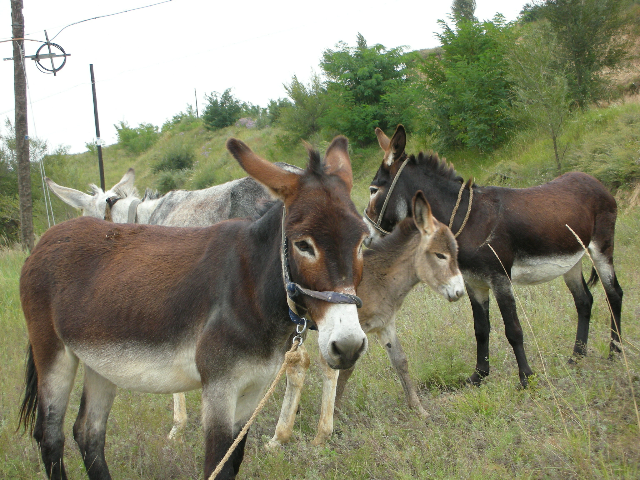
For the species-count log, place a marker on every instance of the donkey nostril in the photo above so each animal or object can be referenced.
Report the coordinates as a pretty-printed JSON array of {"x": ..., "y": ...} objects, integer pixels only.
[{"x": 335, "y": 350}]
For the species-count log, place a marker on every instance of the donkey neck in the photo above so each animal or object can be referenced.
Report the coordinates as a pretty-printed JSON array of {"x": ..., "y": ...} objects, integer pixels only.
[
  {"x": 389, "y": 274},
  {"x": 442, "y": 194},
  {"x": 120, "y": 210}
]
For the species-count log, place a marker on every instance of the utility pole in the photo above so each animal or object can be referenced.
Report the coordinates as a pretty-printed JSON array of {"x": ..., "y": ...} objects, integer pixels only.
[
  {"x": 22, "y": 132},
  {"x": 95, "y": 117}
]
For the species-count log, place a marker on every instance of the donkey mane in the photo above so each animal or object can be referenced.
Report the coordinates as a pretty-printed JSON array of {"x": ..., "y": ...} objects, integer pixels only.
[
  {"x": 316, "y": 165},
  {"x": 431, "y": 161},
  {"x": 150, "y": 194}
]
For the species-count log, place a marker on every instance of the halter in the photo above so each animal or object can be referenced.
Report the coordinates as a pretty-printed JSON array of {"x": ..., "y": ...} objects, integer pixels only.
[
  {"x": 132, "y": 213},
  {"x": 294, "y": 290},
  {"x": 377, "y": 226}
]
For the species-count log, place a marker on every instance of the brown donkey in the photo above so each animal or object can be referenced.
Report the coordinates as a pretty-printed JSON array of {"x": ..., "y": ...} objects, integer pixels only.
[
  {"x": 164, "y": 310},
  {"x": 421, "y": 249},
  {"x": 525, "y": 227}
]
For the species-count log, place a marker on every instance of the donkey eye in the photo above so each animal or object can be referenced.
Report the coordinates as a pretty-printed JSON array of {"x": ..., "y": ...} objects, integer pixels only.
[
  {"x": 373, "y": 190},
  {"x": 305, "y": 247},
  {"x": 441, "y": 256}
]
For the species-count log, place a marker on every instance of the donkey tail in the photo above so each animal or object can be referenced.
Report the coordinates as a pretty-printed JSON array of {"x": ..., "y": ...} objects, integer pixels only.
[
  {"x": 593, "y": 279},
  {"x": 30, "y": 400}
]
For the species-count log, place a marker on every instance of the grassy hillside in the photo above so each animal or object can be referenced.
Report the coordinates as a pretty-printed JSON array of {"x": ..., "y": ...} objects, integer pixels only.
[{"x": 603, "y": 141}]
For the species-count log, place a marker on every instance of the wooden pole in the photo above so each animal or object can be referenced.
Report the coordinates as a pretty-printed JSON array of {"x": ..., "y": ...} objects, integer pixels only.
[
  {"x": 22, "y": 132},
  {"x": 95, "y": 116}
]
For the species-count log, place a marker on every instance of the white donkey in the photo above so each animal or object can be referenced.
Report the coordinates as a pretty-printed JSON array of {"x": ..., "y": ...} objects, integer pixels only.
[{"x": 178, "y": 208}]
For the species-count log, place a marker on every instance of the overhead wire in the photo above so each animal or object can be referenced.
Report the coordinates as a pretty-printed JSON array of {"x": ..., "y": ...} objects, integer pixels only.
[{"x": 109, "y": 15}]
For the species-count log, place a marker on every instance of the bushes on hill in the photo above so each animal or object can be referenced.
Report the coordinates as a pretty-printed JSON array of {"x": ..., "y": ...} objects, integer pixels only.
[
  {"x": 136, "y": 140},
  {"x": 467, "y": 92}
]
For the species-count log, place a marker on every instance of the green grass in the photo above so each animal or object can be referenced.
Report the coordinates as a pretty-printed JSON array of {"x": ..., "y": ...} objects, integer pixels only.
[{"x": 575, "y": 421}]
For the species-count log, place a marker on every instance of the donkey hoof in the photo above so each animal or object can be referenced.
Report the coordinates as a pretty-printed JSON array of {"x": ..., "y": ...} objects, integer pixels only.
[
  {"x": 527, "y": 380},
  {"x": 175, "y": 433},
  {"x": 614, "y": 350},
  {"x": 423, "y": 413},
  {"x": 575, "y": 359},
  {"x": 320, "y": 440},
  {"x": 273, "y": 445},
  {"x": 475, "y": 380}
]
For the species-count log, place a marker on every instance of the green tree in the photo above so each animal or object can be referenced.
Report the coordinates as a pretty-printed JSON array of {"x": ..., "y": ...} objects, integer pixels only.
[
  {"x": 362, "y": 83},
  {"x": 136, "y": 140},
  {"x": 590, "y": 38},
  {"x": 539, "y": 82},
  {"x": 464, "y": 10},
  {"x": 467, "y": 90},
  {"x": 221, "y": 110},
  {"x": 301, "y": 117},
  {"x": 274, "y": 109}
]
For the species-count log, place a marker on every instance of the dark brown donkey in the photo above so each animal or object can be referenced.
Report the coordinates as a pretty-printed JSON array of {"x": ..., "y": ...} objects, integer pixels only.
[
  {"x": 163, "y": 310},
  {"x": 527, "y": 229}
]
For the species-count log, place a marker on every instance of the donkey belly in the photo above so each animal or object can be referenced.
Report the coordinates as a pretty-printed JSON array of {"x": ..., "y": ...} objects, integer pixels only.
[
  {"x": 144, "y": 368},
  {"x": 532, "y": 270}
]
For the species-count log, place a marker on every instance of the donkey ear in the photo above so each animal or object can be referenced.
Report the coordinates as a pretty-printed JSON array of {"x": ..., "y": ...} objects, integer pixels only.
[
  {"x": 127, "y": 179},
  {"x": 397, "y": 145},
  {"x": 75, "y": 198},
  {"x": 383, "y": 140},
  {"x": 338, "y": 162},
  {"x": 422, "y": 214},
  {"x": 281, "y": 182}
]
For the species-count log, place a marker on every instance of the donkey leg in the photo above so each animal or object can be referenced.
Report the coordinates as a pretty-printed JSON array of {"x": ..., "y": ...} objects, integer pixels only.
[
  {"x": 54, "y": 389},
  {"x": 389, "y": 339},
  {"x": 295, "y": 382},
  {"x": 512, "y": 328},
  {"x": 614, "y": 294},
  {"x": 325, "y": 423},
  {"x": 604, "y": 265},
  {"x": 583, "y": 300},
  {"x": 343, "y": 377},
  {"x": 90, "y": 427},
  {"x": 179, "y": 415},
  {"x": 479, "y": 298},
  {"x": 218, "y": 412}
]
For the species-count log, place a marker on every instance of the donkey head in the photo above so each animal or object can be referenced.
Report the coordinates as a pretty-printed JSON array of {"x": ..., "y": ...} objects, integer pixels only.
[
  {"x": 436, "y": 258},
  {"x": 395, "y": 207},
  {"x": 94, "y": 205},
  {"x": 325, "y": 236}
]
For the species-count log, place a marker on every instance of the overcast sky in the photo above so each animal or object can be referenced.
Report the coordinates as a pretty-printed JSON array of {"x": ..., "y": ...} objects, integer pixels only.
[{"x": 150, "y": 62}]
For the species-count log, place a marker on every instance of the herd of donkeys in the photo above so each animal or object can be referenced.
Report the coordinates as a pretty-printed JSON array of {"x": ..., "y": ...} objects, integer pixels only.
[{"x": 249, "y": 266}]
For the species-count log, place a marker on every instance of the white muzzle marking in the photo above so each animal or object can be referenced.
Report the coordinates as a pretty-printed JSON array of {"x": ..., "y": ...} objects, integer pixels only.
[{"x": 340, "y": 338}]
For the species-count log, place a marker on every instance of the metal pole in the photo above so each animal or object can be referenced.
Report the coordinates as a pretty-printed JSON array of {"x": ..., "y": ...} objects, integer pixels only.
[
  {"x": 195, "y": 93},
  {"x": 98, "y": 140}
]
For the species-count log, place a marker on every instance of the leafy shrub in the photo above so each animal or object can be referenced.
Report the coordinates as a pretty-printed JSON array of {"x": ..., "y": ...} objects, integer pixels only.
[
  {"x": 221, "y": 110},
  {"x": 177, "y": 157},
  {"x": 171, "y": 180},
  {"x": 359, "y": 80},
  {"x": 181, "y": 121},
  {"x": 467, "y": 88},
  {"x": 136, "y": 140}
]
